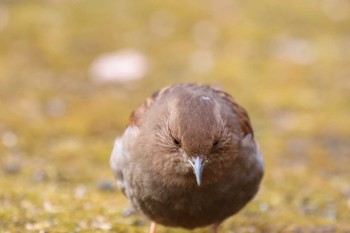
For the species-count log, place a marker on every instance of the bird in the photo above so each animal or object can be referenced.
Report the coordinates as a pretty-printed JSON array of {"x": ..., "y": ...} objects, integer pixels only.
[{"x": 188, "y": 157}]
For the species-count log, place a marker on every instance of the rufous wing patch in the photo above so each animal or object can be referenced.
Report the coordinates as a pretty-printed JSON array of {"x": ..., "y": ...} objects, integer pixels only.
[
  {"x": 241, "y": 113},
  {"x": 140, "y": 110}
]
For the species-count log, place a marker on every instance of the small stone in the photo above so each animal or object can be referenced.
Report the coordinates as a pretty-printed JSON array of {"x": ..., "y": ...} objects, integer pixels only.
[
  {"x": 12, "y": 168},
  {"x": 101, "y": 223},
  {"x": 39, "y": 176},
  {"x": 119, "y": 67},
  {"x": 263, "y": 207},
  {"x": 129, "y": 212},
  {"x": 80, "y": 192},
  {"x": 105, "y": 185},
  {"x": 48, "y": 207}
]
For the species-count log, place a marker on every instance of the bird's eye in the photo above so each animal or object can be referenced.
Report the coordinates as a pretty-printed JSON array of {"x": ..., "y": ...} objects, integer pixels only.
[
  {"x": 216, "y": 142},
  {"x": 177, "y": 142}
]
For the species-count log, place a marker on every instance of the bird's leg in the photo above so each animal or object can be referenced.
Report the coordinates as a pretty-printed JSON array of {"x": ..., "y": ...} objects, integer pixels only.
[
  {"x": 153, "y": 227},
  {"x": 216, "y": 228}
]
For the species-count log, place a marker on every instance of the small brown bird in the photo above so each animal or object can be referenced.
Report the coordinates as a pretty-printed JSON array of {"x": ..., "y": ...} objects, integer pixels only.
[{"x": 188, "y": 157}]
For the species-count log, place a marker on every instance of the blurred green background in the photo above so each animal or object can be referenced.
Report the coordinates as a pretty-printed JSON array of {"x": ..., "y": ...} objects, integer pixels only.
[{"x": 286, "y": 62}]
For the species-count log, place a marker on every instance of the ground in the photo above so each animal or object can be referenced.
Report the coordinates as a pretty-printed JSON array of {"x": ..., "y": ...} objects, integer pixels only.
[{"x": 287, "y": 63}]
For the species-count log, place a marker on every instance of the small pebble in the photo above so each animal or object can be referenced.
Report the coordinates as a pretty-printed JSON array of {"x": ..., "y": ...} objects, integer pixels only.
[
  {"x": 80, "y": 191},
  {"x": 105, "y": 185},
  {"x": 129, "y": 212},
  {"x": 119, "y": 67},
  {"x": 39, "y": 176},
  {"x": 263, "y": 207},
  {"x": 12, "y": 168},
  {"x": 101, "y": 223}
]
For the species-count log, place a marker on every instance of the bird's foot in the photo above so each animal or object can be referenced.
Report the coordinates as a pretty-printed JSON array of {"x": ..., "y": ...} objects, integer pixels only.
[
  {"x": 153, "y": 227},
  {"x": 216, "y": 228}
]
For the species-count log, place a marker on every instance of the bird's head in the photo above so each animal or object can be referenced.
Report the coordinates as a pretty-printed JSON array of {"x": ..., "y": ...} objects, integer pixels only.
[{"x": 198, "y": 132}]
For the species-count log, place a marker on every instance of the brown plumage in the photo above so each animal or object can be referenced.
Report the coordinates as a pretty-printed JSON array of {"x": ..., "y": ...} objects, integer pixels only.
[{"x": 188, "y": 157}]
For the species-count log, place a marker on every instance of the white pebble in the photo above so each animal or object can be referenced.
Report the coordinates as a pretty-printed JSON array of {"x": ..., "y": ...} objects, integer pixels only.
[{"x": 119, "y": 67}]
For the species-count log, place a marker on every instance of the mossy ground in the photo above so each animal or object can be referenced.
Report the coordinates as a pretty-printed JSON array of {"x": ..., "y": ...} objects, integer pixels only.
[{"x": 288, "y": 63}]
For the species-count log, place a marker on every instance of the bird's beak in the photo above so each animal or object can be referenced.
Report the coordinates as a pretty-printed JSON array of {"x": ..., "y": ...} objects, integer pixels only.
[{"x": 197, "y": 164}]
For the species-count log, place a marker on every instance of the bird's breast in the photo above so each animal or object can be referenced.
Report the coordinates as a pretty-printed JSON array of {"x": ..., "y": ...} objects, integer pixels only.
[{"x": 190, "y": 206}]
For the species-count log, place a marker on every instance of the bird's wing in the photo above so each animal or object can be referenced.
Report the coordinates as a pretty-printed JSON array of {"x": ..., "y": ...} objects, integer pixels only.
[
  {"x": 120, "y": 155},
  {"x": 241, "y": 113},
  {"x": 119, "y": 159},
  {"x": 249, "y": 146},
  {"x": 136, "y": 115},
  {"x": 117, "y": 162}
]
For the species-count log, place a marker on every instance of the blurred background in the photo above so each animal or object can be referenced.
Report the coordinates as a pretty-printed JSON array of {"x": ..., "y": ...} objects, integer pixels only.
[{"x": 71, "y": 72}]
